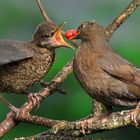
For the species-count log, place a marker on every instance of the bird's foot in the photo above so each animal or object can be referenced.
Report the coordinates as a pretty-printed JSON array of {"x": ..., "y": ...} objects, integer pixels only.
[
  {"x": 85, "y": 125},
  {"x": 60, "y": 126},
  {"x": 12, "y": 107},
  {"x": 35, "y": 98},
  {"x": 134, "y": 114}
]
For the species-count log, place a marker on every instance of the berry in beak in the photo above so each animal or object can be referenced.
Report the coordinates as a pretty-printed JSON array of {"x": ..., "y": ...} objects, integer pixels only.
[{"x": 71, "y": 34}]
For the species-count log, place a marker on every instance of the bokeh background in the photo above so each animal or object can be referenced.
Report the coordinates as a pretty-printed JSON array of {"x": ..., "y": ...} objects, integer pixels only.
[{"x": 18, "y": 20}]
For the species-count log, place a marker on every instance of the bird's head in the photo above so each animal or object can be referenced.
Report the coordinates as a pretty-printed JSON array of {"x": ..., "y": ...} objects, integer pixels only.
[
  {"x": 86, "y": 31},
  {"x": 49, "y": 35}
]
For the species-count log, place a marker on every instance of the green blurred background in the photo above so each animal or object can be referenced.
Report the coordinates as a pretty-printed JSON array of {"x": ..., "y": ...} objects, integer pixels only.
[{"x": 18, "y": 20}]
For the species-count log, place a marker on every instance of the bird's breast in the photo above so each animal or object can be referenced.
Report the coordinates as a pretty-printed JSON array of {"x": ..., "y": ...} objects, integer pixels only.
[
  {"x": 84, "y": 66},
  {"x": 96, "y": 82},
  {"x": 18, "y": 76}
]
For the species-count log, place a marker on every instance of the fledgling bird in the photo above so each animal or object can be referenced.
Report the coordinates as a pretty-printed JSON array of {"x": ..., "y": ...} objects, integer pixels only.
[
  {"x": 22, "y": 63},
  {"x": 105, "y": 75}
]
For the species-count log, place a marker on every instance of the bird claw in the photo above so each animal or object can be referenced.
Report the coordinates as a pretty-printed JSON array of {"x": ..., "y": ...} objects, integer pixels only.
[
  {"x": 85, "y": 125},
  {"x": 59, "y": 126},
  {"x": 83, "y": 131},
  {"x": 35, "y": 99},
  {"x": 134, "y": 113}
]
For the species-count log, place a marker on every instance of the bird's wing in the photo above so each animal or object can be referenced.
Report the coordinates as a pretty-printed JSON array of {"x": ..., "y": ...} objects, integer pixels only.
[
  {"x": 119, "y": 68},
  {"x": 11, "y": 51}
]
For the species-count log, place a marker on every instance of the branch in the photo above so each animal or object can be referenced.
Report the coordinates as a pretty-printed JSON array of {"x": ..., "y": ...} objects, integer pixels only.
[
  {"x": 121, "y": 18},
  {"x": 10, "y": 121},
  {"x": 36, "y": 120},
  {"x": 114, "y": 120},
  {"x": 91, "y": 126},
  {"x": 46, "y": 17}
]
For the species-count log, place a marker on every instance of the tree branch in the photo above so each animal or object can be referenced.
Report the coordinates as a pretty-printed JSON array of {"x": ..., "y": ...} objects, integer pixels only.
[
  {"x": 121, "y": 18},
  {"x": 91, "y": 126},
  {"x": 116, "y": 118},
  {"x": 46, "y": 17}
]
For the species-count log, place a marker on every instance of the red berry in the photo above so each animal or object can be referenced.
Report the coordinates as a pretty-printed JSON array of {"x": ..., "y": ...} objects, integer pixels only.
[{"x": 70, "y": 34}]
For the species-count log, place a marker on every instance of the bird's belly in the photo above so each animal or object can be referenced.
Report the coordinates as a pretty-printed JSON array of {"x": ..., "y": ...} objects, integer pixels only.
[
  {"x": 18, "y": 77},
  {"x": 106, "y": 89}
]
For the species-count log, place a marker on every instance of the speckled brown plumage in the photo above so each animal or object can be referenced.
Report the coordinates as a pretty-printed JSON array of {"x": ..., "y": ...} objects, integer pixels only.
[
  {"x": 105, "y": 75},
  {"x": 24, "y": 63}
]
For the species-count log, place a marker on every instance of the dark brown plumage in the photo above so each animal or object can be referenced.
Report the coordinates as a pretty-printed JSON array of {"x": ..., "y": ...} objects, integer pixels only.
[
  {"x": 22, "y": 63},
  {"x": 105, "y": 75}
]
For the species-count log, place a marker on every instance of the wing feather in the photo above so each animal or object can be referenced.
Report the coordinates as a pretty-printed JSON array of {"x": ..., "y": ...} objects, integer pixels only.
[
  {"x": 11, "y": 51},
  {"x": 118, "y": 67}
]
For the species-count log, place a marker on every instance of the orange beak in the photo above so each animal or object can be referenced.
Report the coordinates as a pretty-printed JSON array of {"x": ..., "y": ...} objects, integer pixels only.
[{"x": 57, "y": 39}]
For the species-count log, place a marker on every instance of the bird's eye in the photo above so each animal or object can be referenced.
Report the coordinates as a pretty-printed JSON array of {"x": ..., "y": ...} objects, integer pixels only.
[
  {"x": 92, "y": 23},
  {"x": 46, "y": 36},
  {"x": 82, "y": 25}
]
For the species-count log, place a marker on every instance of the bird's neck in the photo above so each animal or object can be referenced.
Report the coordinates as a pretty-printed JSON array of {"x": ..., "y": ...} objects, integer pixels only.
[{"x": 96, "y": 43}]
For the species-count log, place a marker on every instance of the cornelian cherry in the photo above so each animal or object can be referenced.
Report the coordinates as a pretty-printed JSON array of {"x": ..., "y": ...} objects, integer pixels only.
[{"x": 70, "y": 34}]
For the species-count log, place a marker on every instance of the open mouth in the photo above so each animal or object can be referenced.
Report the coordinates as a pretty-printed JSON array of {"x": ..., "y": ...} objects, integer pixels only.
[{"x": 57, "y": 39}]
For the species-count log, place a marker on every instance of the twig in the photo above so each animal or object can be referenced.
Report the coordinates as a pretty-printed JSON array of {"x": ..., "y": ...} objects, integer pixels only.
[
  {"x": 121, "y": 18},
  {"x": 36, "y": 120},
  {"x": 46, "y": 17}
]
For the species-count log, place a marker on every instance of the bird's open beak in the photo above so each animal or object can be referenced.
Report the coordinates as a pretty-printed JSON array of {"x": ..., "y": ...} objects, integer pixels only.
[{"x": 57, "y": 39}]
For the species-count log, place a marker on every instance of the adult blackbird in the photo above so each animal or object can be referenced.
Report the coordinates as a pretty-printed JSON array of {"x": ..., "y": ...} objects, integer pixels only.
[
  {"x": 22, "y": 63},
  {"x": 106, "y": 76}
]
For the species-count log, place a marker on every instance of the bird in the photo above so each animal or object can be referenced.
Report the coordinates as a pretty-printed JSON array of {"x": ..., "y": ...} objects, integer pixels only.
[
  {"x": 23, "y": 63},
  {"x": 105, "y": 75}
]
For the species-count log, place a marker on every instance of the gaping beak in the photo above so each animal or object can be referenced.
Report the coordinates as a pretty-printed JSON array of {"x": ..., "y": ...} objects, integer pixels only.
[{"x": 57, "y": 39}]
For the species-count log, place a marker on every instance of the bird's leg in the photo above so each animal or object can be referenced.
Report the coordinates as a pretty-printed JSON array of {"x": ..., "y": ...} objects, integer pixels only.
[
  {"x": 134, "y": 114},
  {"x": 34, "y": 97},
  {"x": 12, "y": 107},
  {"x": 97, "y": 111},
  {"x": 109, "y": 109}
]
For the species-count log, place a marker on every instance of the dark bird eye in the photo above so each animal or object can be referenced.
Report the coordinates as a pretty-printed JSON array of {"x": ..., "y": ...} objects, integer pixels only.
[
  {"x": 82, "y": 25},
  {"x": 46, "y": 36}
]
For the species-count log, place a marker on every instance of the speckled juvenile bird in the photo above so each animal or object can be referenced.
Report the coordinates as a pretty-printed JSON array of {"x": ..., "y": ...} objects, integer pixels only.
[
  {"x": 105, "y": 75},
  {"x": 22, "y": 63}
]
